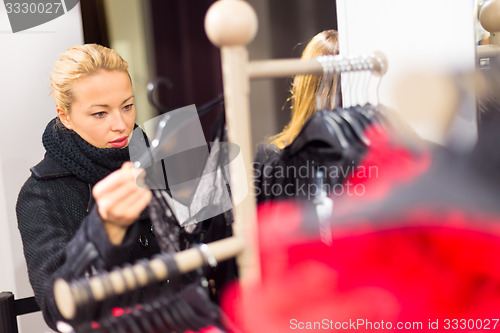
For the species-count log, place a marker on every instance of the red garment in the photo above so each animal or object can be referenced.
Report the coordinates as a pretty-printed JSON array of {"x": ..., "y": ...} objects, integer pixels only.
[
  {"x": 434, "y": 268},
  {"x": 387, "y": 163},
  {"x": 424, "y": 264}
]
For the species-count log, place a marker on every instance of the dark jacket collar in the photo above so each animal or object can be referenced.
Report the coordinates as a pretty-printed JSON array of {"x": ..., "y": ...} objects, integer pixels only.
[{"x": 49, "y": 169}]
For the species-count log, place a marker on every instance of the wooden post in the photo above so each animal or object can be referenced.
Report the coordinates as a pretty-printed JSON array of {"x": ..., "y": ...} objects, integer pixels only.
[{"x": 231, "y": 25}]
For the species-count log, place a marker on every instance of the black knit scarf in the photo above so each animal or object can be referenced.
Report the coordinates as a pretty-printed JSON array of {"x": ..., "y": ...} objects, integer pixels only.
[{"x": 85, "y": 161}]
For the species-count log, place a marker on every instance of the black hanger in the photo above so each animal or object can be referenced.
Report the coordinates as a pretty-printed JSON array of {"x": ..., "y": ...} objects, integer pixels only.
[
  {"x": 152, "y": 314},
  {"x": 190, "y": 319},
  {"x": 162, "y": 303},
  {"x": 363, "y": 117},
  {"x": 152, "y": 86},
  {"x": 210, "y": 105},
  {"x": 355, "y": 125},
  {"x": 129, "y": 322},
  {"x": 201, "y": 304},
  {"x": 171, "y": 314}
]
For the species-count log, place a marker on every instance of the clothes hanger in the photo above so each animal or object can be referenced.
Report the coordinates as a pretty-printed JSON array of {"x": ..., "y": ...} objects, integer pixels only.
[
  {"x": 353, "y": 123},
  {"x": 163, "y": 305},
  {"x": 129, "y": 322},
  {"x": 365, "y": 113},
  {"x": 152, "y": 86},
  {"x": 340, "y": 125},
  {"x": 153, "y": 316},
  {"x": 150, "y": 292},
  {"x": 205, "y": 108},
  {"x": 357, "y": 111},
  {"x": 171, "y": 314}
]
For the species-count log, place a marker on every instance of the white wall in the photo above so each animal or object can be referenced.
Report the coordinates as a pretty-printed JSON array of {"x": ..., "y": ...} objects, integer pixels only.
[
  {"x": 26, "y": 59},
  {"x": 416, "y": 35}
]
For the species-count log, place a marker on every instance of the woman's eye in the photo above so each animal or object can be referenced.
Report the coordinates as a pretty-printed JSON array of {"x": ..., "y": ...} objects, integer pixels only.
[
  {"x": 99, "y": 114},
  {"x": 128, "y": 107}
]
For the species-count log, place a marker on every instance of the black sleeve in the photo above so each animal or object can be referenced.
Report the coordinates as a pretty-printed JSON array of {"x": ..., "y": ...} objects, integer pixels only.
[
  {"x": 265, "y": 160},
  {"x": 56, "y": 247}
]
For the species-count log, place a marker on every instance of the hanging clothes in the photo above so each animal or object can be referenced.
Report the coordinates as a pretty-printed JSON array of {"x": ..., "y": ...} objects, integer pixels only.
[
  {"x": 421, "y": 251},
  {"x": 418, "y": 247},
  {"x": 203, "y": 211},
  {"x": 315, "y": 160}
]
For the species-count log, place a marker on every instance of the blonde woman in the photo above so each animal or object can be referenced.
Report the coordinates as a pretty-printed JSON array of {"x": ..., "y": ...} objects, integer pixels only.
[
  {"x": 305, "y": 88},
  {"x": 274, "y": 178},
  {"x": 76, "y": 210}
]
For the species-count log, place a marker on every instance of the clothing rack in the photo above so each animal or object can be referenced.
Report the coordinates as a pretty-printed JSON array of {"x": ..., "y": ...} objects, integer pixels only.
[
  {"x": 70, "y": 296},
  {"x": 231, "y": 25}
]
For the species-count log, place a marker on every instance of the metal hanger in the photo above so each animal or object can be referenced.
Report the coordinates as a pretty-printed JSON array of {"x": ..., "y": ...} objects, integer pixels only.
[{"x": 353, "y": 123}]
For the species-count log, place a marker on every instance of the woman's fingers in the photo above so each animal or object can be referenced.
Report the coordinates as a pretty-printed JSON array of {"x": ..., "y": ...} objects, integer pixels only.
[
  {"x": 125, "y": 211},
  {"x": 119, "y": 199},
  {"x": 115, "y": 179}
]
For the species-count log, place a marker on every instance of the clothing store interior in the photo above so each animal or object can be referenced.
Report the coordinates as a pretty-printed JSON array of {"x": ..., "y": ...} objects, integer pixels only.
[{"x": 340, "y": 170}]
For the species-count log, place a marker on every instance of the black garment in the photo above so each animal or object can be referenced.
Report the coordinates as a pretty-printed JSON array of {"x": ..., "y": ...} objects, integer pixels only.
[{"x": 314, "y": 161}]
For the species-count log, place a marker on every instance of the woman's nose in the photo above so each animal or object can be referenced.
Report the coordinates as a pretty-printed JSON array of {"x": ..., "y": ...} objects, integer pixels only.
[{"x": 118, "y": 123}]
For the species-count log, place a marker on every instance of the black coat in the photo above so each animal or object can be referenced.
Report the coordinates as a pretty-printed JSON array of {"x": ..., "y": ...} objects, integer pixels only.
[{"x": 63, "y": 235}]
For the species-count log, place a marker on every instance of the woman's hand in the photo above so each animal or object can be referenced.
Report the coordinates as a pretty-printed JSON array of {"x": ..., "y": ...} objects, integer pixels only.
[{"x": 120, "y": 201}]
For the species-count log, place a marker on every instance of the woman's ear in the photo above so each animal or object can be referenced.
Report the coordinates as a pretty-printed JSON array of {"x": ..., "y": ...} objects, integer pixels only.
[{"x": 64, "y": 118}]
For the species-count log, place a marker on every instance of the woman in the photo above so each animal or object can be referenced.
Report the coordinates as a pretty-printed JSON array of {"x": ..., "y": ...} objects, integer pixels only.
[
  {"x": 81, "y": 210},
  {"x": 272, "y": 180}
]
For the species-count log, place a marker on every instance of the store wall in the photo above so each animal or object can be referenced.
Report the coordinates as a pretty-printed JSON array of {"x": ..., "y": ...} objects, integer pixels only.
[
  {"x": 26, "y": 60},
  {"x": 417, "y": 36},
  {"x": 131, "y": 38}
]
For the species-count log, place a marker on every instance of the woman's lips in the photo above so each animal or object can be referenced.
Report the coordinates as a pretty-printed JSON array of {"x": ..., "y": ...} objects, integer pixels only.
[{"x": 119, "y": 143}]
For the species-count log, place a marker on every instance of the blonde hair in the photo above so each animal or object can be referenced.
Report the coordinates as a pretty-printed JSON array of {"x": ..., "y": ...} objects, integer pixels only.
[
  {"x": 305, "y": 88},
  {"x": 78, "y": 62}
]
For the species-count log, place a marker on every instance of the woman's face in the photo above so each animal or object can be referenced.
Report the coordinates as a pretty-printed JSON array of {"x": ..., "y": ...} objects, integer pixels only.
[{"x": 102, "y": 112}]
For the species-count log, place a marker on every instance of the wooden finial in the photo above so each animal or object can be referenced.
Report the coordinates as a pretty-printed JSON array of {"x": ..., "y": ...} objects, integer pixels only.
[
  {"x": 490, "y": 20},
  {"x": 231, "y": 23}
]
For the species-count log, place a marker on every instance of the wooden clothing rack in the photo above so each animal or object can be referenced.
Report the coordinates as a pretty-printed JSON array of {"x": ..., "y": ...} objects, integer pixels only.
[
  {"x": 489, "y": 18},
  {"x": 230, "y": 25}
]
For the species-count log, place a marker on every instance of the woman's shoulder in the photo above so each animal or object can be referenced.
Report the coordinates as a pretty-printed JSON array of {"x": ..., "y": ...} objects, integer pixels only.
[
  {"x": 44, "y": 173},
  {"x": 50, "y": 182},
  {"x": 48, "y": 168},
  {"x": 266, "y": 152}
]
